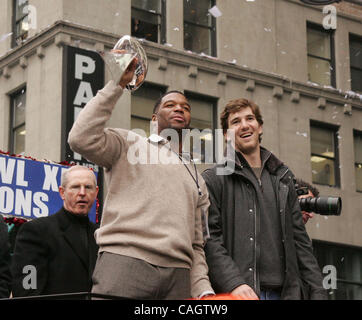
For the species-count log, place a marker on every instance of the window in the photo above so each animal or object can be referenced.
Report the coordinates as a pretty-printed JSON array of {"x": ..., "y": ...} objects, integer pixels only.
[
  {"x": 199, "y": 27},
  {"x": 149, "y": 20},
  {"x": 346, "y": 262},
  {"x": 17, "y": 118},
  {"x": 324, "y": 157},
  {"x": 202, "y": 118},
  {"x": 355, "y": 52},
  {"x": 320, "y": 55},
  {"x": 358, "y": 158},
  {"x": 143, "y": 101},
  {"x": 20, "y": 21}
]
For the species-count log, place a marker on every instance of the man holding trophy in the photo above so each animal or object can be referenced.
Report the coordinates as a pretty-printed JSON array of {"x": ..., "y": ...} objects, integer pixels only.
[{"x": 151, "y": 236}]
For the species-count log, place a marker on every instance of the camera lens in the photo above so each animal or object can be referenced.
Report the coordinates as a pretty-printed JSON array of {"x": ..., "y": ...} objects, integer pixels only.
[{"x": 322, "y": 205}]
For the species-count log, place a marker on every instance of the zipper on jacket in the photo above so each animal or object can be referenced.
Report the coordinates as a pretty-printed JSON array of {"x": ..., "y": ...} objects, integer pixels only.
[
  {"x": 260, "y": 185},
  {"x": 255, "y": 240}
]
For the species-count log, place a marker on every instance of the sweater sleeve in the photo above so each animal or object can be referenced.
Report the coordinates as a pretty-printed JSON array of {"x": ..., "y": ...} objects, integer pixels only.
[
  {"x": 199, "y": 272},
  {"x": 88, "y": 135}
]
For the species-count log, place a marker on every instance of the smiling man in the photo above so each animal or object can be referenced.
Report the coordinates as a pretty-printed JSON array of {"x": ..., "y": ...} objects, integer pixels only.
[
  {"x": 57, "y": 254},
  {"x": 259, "y": 248},
  {"x": 151, "y": 236}
]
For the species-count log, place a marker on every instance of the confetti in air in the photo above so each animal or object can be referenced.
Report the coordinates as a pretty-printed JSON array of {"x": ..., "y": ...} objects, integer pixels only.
[
  {"x": 5, "y": 36},
  {"x": 304, "y": 134},
  {"x": 215, "y": 12}
]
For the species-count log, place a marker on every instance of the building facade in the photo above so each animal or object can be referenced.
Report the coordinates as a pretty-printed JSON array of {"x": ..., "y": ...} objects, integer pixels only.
[{"x": 302, "y": 64}]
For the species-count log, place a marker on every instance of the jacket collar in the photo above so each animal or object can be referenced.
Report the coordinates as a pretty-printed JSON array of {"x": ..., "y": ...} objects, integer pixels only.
[
  {"x": 71, "y": 235},
  {"x": 268, "y": 159},
  {"x": 156, "y": 139}
]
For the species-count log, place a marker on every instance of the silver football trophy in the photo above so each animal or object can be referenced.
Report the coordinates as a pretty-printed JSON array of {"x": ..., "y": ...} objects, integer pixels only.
[{"x": 119, "y": 58}]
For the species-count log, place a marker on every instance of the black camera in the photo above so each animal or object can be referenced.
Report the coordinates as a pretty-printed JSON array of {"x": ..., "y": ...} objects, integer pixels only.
[{"x": 327, "y": 206}]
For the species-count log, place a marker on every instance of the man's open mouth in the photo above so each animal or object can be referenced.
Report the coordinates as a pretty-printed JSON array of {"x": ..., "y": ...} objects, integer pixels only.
[{"x": 246, "y": 135}]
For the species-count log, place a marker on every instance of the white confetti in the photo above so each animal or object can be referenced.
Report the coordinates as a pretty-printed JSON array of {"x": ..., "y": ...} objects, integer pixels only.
[
  {"x": 176, "y": 29},
  {"x": 117, "y": 14},
  {"x": 267, "y": 30},
  {"x": 304, "y": 134},
  {"x": 342, "y": 259},
  {"x": 5, "y": 36},
  {"x": 215, "y": 12},
  {"x": 283, "y": 52}
]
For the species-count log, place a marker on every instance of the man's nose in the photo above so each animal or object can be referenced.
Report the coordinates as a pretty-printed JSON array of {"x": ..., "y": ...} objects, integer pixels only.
[
  {"x": 178, "y": 108},
  {"x": 82, "y": 190},
  {"x": 244, "y": 124}
]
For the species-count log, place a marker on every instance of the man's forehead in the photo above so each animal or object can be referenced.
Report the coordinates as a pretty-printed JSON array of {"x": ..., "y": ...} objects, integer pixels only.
[
  {"x": 241, "y": 113},
  {"x": 80, "y": 174},
  {"x": 174, "y": 96}
]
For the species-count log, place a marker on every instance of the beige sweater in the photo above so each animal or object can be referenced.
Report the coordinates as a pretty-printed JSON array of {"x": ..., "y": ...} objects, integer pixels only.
[{"x": 152, "y": 211}]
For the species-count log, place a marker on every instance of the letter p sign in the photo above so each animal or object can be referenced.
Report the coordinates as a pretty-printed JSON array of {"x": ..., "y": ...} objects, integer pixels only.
[{"x": 83, "y": 64}]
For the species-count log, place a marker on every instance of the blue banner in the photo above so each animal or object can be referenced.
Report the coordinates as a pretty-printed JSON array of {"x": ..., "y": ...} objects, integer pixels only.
[{"x": 29, "y": 188}]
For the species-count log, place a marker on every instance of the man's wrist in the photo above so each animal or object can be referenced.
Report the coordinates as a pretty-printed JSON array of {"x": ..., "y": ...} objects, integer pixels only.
[{"x": 206, "y": 293}]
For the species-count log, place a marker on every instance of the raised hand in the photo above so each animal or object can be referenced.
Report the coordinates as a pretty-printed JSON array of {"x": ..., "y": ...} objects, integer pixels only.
[{"x": 129, "y": 72}]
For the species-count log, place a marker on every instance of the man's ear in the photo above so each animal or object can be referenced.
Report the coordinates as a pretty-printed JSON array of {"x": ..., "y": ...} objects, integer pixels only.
[
  {"x": 261, "y": 130},
  {"x": 61, "y": 192},
  {"x": 154, "y": 118}
]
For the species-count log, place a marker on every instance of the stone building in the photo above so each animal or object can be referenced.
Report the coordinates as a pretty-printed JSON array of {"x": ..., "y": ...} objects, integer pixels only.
[{"x": 302, "y": 64}]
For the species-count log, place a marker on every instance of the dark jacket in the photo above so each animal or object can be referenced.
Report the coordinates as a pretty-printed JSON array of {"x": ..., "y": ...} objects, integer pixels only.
[
  {"x": 5, "y": 275},
  {"x": 234, "y": 218},
  {"x": 53, "y": 246}
]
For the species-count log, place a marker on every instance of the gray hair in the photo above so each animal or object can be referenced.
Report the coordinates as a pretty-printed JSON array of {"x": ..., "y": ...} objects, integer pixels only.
[{"x": 65, "y": 173}]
